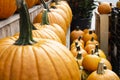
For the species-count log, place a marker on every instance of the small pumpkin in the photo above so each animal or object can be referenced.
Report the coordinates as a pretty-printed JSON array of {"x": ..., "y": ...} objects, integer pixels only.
[
  {"x": 90, "y": 62},
  {"x": 103, "y": 74},
  {"x": 104, "y": 8},
  {"x": 118, "y": 4},
  {"x": 78, "y": 49},
  {"x": 27, "y": 58},
  {"x": 89, "y": 35},
  {"x": 79, "y": 40},
  {"x": 92, "y": 41},
  {"x": 98, "y": 51},
  {"x": 75, "y": 34}
]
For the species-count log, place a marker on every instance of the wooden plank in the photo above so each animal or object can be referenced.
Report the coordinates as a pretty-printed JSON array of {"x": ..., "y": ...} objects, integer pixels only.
[{"x": 102, "y": 30}]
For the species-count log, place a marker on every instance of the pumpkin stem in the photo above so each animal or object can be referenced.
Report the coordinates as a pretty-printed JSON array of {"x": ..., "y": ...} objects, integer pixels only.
[
  {"x": 79, "y": 38},
  {"x": 78, "y": 48},
  {"x": 77, "y": 28},
  {"x": 45, "y": 18},
  {"x": 100, "y": 69},
  {"x": 76, "y": 43},
  {"x": 79, "y": 55},
  {"x": 92, "y": 39},
  {"x": 25, "y": 36},
  {"x": 90, "y": 32},
  {"x": 45, "y": 5},
  {"x": 96, "y": 48}
]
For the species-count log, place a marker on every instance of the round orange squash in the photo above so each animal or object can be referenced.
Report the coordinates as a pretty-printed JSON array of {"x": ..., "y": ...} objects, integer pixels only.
[
  {"x": 7, "y": 8},
  {"x": 89, "y": 35},
  {"x": 90, "y": 62},
  {"x": 104, "y": 8},
  {"x": 103, "y": 74},
  {"x": 75, "y": 34},
  {"x": 53, "y": 27}
]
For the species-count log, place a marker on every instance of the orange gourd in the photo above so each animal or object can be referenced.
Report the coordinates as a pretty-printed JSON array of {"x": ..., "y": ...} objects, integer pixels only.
[
  {"x": 75, "y": 34},
  {"x": 64, "y": 6},
  {"x": 7, "y": 8},
  {"x": 92, "y": 41},
  {"x": 53, "y": 17},
  {"x": 90, "y": 62},
  {"x": 104, "y": 8},
  {"x": 79, "y": 40},
  {"x": 78, "y": 49},
  {"x": 54, "y": 27},
  {"x": 89, "y": 35},
  {"x": 103, "y": 74}
]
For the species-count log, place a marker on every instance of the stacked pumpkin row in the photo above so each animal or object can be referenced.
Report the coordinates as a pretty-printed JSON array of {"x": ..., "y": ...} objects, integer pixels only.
[
  {"x": 37, "y": 51},
  {"x": 92, "y": 61},
  {"x": 8, "y": 7}
]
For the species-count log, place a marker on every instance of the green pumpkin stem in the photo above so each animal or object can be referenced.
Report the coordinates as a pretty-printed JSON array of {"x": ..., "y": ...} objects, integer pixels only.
[
  {"x": 25, "y": 36},
  {"x": 45, "y": 18},
  {"x": 45, "y": 5},
  {"x": 100, "y": 69}
]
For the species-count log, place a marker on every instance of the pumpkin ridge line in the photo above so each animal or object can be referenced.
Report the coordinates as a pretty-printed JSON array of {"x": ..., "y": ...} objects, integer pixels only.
[
  {"x": 63, "y": 60},
  {"x": 12, "y": 61},
  {"x": 5, "y": 60},
  {"x": 36, "y": 61},
  {"x": 46, "y": 51}
]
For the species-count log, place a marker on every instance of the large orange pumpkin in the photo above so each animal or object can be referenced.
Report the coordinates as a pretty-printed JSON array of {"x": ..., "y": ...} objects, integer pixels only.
[
  {"x": 54, "y": 27},
  {"x": 7, "y": 8},
  {"x": 26, "y": 58},
  {"x": 53, "y": 17},
  {"x": 64, "y": 6},
  {"x": 30, "y": 3}
]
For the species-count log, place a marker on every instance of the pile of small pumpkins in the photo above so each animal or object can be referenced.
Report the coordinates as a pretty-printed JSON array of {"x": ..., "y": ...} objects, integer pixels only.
[
  {"x": 38, "y": 51},
  {"x": 92, "y": 61}
]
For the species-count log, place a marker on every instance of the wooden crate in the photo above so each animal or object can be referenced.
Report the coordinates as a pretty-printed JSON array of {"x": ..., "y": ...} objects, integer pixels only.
[
  {"x": 10, "y": 26},
  {"x": 102, "y": 30}
]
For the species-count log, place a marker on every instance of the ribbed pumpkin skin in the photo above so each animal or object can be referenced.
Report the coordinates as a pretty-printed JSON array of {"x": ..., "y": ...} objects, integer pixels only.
[
  {"x": 53, "y": 17},
  {"x": 7, "y": 8},
  {"x": 46, "y": 60},
  {"x": 108, "y": 75},
  {"x": 55, "y": 28},
  {"x": 45, "y": 34},
  {"x": 63, "y": 14},
  {"x": 30, "y": 3},
  {"x": 65, "y": 7}
]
